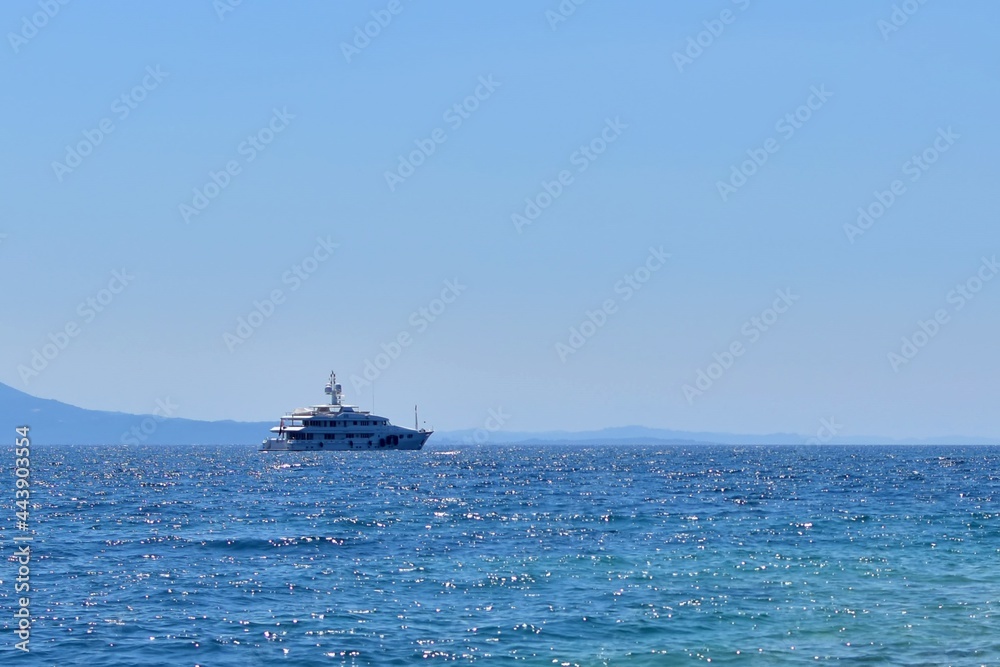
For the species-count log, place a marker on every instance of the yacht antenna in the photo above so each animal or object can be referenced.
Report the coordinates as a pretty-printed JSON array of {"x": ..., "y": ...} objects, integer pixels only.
[{"x": 415, "y": 427}]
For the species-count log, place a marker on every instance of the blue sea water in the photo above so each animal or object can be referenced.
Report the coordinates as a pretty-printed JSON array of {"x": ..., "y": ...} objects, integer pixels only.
[{"x": 547, "y": 555}]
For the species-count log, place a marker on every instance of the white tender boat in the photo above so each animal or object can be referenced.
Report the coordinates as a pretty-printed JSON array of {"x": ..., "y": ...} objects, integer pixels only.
[{"x": 338, "y": 426}]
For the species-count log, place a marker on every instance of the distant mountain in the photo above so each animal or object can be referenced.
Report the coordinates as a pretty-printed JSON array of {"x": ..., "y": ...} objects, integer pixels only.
[
  {"x": 624, "y": 434},
  {"x": 640, "y": 435},
  {"x": 53, "y": 422}
]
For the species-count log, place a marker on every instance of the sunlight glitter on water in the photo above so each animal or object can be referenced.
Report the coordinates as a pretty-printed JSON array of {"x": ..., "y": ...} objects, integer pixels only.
[{"x": 586, "y": 555}]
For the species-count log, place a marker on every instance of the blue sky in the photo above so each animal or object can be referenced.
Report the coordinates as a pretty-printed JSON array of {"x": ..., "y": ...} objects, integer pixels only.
[{"x": 642, "y": 135}]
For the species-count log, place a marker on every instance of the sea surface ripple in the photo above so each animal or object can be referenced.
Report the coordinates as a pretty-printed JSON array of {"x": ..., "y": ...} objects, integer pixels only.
[{"x": 526, "y": 555}]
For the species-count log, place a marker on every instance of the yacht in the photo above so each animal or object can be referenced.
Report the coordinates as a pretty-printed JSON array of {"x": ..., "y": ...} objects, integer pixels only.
[{"x": 338, "y": 426}]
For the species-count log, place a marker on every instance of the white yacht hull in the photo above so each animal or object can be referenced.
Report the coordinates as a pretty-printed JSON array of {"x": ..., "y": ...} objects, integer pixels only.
[
  {"x": 285, "y": 445},
  {"x": 274, "y": 445}
]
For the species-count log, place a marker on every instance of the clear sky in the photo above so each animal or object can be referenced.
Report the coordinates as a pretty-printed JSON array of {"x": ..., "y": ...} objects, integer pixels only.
[{"x": 690, "y": 174}]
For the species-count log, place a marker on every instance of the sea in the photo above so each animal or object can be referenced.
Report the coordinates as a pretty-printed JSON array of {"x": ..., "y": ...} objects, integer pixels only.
[{"x": 556, "y": 555}]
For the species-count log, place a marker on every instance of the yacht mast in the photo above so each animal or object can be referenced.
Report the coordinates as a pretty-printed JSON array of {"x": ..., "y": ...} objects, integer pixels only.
[{"x": 333, "y": 389}]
